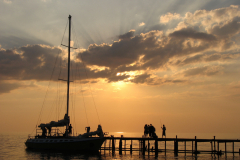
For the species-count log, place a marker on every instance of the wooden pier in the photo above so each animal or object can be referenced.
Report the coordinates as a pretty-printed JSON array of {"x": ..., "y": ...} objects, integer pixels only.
[{"x": 157, "y": 145}]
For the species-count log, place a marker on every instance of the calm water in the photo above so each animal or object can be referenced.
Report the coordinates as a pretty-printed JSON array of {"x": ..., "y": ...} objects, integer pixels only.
[{"x": 12, "y": 147}]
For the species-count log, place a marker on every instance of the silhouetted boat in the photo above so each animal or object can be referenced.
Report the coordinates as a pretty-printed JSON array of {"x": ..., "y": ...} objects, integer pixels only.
[{"x": 65, "y": 141}]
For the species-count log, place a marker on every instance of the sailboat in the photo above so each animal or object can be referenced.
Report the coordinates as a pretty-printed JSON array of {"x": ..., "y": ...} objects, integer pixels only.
[{"x": 89, "y": 141}]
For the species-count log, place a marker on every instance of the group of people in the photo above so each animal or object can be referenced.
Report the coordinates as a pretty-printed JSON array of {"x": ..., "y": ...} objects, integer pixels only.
[
  {"x": 44, "y": 130},
  {"x": 150, "y": 130}
]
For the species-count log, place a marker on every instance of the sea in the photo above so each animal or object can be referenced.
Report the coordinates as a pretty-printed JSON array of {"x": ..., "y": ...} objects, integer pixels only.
[{"x": 12, "y": 147}]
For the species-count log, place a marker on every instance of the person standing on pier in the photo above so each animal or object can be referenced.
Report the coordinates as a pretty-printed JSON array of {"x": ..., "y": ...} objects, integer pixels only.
[
  {"x": 163, "y": 131},
  {"x": 146, "y": 130}
]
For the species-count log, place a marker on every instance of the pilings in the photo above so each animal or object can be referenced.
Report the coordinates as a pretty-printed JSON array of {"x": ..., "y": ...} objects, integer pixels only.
[{"x": 158, "y": 145}]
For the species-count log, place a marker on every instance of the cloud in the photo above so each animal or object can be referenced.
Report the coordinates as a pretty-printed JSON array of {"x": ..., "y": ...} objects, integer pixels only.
[
  {"x": 168, "y": 17},
  {"x": 226, "y": 30},
  {"x": 191, "y": 33},
  {"x": 7, "y": 87},
  {"x": 127, "y": 35},
  {"x": 198, "y": 39},
  {"x": 205, "y": 58},
  {"x": 141, "y": 78},
  {"x": 203, "y": 71},
  {"x": 141, "y": 24},
  {"x": 117, "y": 78},
  {"x": 148, "y": 79},
  {"x": 28, "y": 62}
]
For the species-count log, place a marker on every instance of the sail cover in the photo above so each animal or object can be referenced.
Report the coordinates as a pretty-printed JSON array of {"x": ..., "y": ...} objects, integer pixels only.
[{"x": 60, "y": 123}]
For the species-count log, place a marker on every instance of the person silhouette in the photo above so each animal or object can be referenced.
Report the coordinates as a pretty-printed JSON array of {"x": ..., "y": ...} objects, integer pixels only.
[
  {"x": 146, "y": 130},
  {"x": 70, "y": 129},
  {"x": 44, "y": 131},
  {"x": 163, "y": 131},
  {"x": 49, "y": 130},
  {"x": 151, "y": 130}
]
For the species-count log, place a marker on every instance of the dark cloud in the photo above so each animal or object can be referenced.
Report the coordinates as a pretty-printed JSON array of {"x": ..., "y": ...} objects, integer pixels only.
[
  {"x": 141, "y": 78},
  {"x": 7, "y": 87},
  {"x": 117, "y": 78},
  {"x": 28, "y": 62},
  {"x": 119, "y": 53},
  {"x": 127, "y": 35},
  {"x": 190, "y": 33},
  {"x": 226, "y": 30},
  {"x": 155, "y": 48}
]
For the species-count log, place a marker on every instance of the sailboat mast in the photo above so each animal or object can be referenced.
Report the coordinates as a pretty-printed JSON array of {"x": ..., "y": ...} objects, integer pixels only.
[{"x": 68, "y": 81}]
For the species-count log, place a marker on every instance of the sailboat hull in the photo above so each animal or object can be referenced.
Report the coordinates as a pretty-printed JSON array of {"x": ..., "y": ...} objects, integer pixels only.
[{"x": 73, "y": 144}]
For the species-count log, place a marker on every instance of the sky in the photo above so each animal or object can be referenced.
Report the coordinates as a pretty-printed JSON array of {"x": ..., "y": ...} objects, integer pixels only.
[{"x": 137, "y": 62}]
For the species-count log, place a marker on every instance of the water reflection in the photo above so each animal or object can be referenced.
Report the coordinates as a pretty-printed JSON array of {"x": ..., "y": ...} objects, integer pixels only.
[{"x": 64, "y": 155}]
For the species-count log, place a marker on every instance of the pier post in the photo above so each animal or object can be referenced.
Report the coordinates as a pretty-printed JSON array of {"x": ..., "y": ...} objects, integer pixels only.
[
  {"x": 165, "y": 147},
  {"x": 109, "y": 147},
  {"x": 156, "y": 147},
  {"x": 185, "y": 147},
  {"x": 113, "y": 144},
  {"x": 120, "y": 146},
  {"x": 225, "y": 148},
  {"x": 233, "y": 149},
  {"x": 125, "y": 146},
  {"x": 143, "y": 147},
  {"x": 148, "y": 147},
  {"x": 131, "y": 147},
  {"x": 192, "y": 147},
  {"x": 105, "y": 142},
  {"x": 176, "y": 146},
  {"x": 214, "y": 149},
  {"x": 211, "y": 146},
  {"x": 196, "y": 145}
]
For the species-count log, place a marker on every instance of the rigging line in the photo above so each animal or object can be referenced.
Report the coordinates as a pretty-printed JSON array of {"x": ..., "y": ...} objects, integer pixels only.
[
  {"x": 64, "y": 32},
  {"x": 78, "y": 70},
  {"x": 90, "y": 89},
  {"x": 74, "y": 102},
  {"x": 88, "y": 84},
  {"x": 48, "y": 86},
  {"x": 60, "y": 66},
  {"x": 74, "y": 105},
  {"x": 57, "y": 108},
  {"x": 39, "y": 118},
  {"x": 84, "y": 105},
  {"x": 73, "y": 93},
  {"x": 51, "y": 76},
  {"x": 53, "y": 106},
  {"x": 83, "y": 96},
  {"x": 62, "y": 99},
  {"x": 61, "y": 58}
]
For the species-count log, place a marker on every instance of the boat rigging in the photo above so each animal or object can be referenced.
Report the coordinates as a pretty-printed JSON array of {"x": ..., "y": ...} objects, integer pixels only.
[{"x": 66, "y": 141}]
